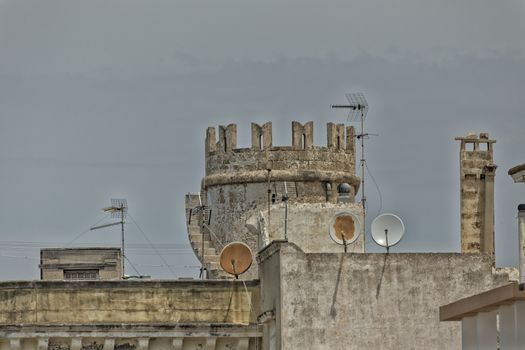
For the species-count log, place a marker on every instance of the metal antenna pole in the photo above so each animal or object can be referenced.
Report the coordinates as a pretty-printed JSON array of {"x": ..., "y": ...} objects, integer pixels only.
[
  {"x": 269, "y": 198},
  {"x": 363, "y": 164},
  {"x": 358, "y": 104},
  {"x": 122, "y": 229},
  {"x": 118, "y": 210},
  {"x": 285, "y": 200},
  {"x": 201, "y": 210}
]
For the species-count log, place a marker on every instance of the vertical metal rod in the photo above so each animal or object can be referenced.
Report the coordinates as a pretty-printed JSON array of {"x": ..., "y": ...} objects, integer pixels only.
[
  {"x": 202, "y": 218},
  {"x": 122, "y": 243},
  {"x": 386, "y": 238},
  {"x": 203, "y": 268},
  {"x": 285, "y": 198},
  {"x": 521, "y": 231},
  {"x": 363, "y": 164},
  {"x": 269, "y": 199}
]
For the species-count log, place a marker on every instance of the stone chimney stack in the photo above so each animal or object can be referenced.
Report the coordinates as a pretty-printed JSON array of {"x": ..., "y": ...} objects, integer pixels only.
[{"x": 477, "y": 170}]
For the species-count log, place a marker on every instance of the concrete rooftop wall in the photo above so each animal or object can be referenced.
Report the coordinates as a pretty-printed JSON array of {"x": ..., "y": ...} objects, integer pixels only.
[
  {"x": 369, "y": 301},
  {"x": 150, "y": 302}
]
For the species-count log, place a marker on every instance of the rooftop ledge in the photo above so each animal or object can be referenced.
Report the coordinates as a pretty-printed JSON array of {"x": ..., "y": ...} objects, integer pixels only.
[{"x": 482, "y": 302}]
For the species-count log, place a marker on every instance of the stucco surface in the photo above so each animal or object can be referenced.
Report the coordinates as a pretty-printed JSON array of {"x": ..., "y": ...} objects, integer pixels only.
[
  {"x": 375, "y": 301},
  {"x": 61, "y": 302}
]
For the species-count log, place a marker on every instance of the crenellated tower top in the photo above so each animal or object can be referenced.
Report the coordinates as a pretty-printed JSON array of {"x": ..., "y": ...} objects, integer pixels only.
[
  {"x": 302, "y": 161},
  {"x": 302, "y": 138},
  {"x": 246, "y": 184}
]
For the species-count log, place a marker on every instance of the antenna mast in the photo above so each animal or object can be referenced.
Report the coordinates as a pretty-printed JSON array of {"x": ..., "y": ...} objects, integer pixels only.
[
  {"x": 118, "y": 210},
  {"x": 358, "y": 109}
]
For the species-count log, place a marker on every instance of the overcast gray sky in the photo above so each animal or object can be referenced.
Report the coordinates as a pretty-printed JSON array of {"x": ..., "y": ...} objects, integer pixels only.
[{"x": 104, "y": 98}]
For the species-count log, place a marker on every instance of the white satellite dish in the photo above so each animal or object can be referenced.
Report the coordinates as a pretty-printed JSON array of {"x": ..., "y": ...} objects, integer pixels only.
[{"x": 387, "y": 230}]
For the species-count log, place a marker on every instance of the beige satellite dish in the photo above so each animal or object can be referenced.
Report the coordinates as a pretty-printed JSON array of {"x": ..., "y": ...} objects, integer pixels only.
[
  {"x": 344, "y": 228},
  {"x": 236, "y": 258}
]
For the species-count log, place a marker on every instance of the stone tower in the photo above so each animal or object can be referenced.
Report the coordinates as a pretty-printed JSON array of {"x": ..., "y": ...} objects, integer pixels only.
[
  {"x": 242, "y": 192},
  {"x": 477, "y": 170}
]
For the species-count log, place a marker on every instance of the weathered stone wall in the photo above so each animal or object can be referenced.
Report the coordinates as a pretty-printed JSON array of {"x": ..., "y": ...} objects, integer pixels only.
[
  {"x": 61, "y": 302},
  {"x": 237, "y": 180},
  {"x": 477, "y": 172},
  {"x": 280, "y": 158},
  {"x": 251, "y": 164},
  {"x": 369, "y": 301}
]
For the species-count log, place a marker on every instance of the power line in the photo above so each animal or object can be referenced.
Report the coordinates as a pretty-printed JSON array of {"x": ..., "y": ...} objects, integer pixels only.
[
  {"x": 151, "y": 244},
  {"x": 132, "y": 266},
  {"x": 378, "y": 190},
  {"x": 86, "y": 231}
]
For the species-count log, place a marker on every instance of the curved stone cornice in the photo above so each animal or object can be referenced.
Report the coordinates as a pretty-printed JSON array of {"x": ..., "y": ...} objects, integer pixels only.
[{"x": 280, "y": 175}]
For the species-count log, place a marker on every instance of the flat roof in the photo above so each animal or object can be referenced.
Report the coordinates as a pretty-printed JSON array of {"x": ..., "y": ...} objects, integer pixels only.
[
  {"x": 80, "y": 248},
  {"x": 481, "y": 302}
]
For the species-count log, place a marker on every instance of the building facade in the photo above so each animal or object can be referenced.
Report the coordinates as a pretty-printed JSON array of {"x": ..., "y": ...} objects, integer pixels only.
[
  {"x": 98, "y": 263},
  {"x": 313, "y": 285}
]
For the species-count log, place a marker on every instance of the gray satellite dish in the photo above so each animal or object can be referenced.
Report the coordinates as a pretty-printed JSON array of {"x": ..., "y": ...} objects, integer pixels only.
[{"x": 387, "y": 230}]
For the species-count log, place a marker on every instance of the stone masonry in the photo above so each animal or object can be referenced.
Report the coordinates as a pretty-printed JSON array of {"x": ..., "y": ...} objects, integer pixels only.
[
  {"x": 477, "y": 170},
  {"x": 242, "y": 183}
]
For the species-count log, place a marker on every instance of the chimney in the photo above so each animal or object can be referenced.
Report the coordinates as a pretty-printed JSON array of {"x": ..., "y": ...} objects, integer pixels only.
[{"x": 477, "y": 171}]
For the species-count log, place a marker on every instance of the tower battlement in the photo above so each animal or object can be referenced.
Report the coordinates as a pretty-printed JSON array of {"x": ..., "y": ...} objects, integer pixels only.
[
  {"x": 302, "y": 161},
  {"x": 339, "y": 138}
]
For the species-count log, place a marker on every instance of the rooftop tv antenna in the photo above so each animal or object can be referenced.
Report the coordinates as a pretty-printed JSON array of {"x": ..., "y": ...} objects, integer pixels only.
[
  {"x": 236, "y": 258},
  {"x": 344, "y": 228},
  {"x": 387, "y": 230},
  {"x": 118, "y": 210},
  {"x": 358, "y": 110}
]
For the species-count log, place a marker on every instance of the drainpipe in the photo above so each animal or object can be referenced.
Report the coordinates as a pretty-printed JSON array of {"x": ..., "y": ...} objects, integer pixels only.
[{"x": 521, "y": 230}]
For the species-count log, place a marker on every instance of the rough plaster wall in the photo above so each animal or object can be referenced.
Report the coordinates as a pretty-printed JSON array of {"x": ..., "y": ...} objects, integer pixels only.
[
  {"x": 357, "y": 301},
  {"x": 308, "y": 225},
  {"x": 270, "y": 276},
  {"x": 59, "y": 302},
  {"x": 52, "y": 274}
]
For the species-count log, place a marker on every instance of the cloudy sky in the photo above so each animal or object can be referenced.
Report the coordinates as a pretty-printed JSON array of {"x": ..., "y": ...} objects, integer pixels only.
[{"x": 110, "y": 98}]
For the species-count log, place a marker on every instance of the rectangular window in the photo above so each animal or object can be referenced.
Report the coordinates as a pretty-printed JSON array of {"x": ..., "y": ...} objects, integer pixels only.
[{"x": 81, "y": 275}]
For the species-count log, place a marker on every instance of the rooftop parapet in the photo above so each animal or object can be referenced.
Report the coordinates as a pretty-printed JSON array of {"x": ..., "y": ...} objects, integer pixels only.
[
  {"x": 301, "y": 160},
  {"x": 261, "y": 136}
]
